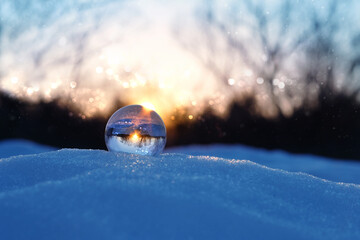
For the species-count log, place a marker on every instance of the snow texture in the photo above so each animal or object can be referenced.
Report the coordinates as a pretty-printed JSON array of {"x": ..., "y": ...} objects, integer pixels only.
[
  {"x": 330, "y": 169},
  {"x": 94, "y": 194}
]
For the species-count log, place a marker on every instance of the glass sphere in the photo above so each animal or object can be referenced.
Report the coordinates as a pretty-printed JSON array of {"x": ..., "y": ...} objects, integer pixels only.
[{"x": 135, "y": 129}]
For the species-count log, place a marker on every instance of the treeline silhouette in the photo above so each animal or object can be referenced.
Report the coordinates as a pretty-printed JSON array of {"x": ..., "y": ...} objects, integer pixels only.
[
  {"x": 332, "y": 129},
  {"x": 49, "y": 123}
]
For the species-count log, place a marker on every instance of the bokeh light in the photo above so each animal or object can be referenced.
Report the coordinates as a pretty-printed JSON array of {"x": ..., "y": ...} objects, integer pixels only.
[{"x": 92, "y": 54}]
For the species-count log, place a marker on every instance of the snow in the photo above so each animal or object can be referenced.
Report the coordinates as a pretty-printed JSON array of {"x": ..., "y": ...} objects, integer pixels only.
[
  {"x": 95, "y": 194},
  {"x": 334, "y": 170},
  {"x": 14, "y": 147}
]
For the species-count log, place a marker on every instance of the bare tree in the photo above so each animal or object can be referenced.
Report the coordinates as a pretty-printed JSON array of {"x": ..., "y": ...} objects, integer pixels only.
[
  {"x": 55, "y": 40},
  {"x": 272, "y": 41}
]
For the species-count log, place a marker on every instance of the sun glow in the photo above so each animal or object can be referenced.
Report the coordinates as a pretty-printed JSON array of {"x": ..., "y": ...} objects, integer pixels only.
[
  {"x": 148, "y": 106},
  {"x": 135, "y": 137},
  {"x": 128, "y": 66}
]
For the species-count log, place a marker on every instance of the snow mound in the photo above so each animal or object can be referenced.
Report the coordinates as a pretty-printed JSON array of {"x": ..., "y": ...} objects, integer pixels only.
[
  {"x": 330, "y": 169},
  {"x": 15, "y": 147},
  {"x": 93, "y": 194}
]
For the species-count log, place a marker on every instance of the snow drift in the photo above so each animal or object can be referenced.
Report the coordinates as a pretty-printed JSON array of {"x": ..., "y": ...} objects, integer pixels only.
[
  {"x": 93, "y": 194},
  {"x": 13, "y": 147}
]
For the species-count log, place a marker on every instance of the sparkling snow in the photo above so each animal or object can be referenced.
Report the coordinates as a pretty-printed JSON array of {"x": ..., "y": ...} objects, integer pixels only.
[{"x": 94, "y": 194}]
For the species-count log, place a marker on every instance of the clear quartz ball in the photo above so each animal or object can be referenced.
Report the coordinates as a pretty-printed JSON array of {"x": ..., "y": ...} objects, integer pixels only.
[{"x": 135, "y": 129}]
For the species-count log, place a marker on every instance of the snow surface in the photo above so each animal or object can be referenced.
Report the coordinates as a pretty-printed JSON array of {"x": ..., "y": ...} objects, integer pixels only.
[
  {"x": 15, "y": 147},
  {"x": 330, "y": 169},
  {"x": 94, "y": 194}
]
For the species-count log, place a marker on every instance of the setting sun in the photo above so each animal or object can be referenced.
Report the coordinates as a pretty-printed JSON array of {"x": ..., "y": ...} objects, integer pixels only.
[
  {"x": 135, "y": 137},
  {"x": 148, "y": 106}
]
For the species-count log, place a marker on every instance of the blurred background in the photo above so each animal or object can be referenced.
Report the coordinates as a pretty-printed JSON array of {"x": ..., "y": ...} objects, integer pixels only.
[{"x": 276, "y": 74}]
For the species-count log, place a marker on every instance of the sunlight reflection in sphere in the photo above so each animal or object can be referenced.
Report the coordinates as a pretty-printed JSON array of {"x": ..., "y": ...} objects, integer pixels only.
[{"x": 135, "y": 129}]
